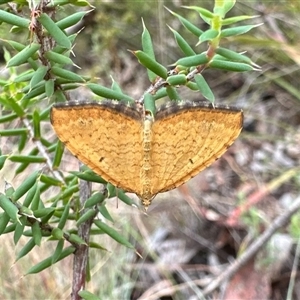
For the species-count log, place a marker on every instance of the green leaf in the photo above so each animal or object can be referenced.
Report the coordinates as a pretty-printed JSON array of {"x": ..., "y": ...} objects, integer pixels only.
[
  {"x": 17, "y": 46},
  {"x": 4, "y": 219},
  {"x": 8, "y": 118},
  {"x": 59, "y": 3},
  {"x": 86, "y": 295},
  {"x": 193, "y": 61},
  {"x": 36, "y": 200},
  {"x": 46, "y": 263},
  {"x": 149, "y": 104},
  {"x": 9, "y": 190},
  {"x": 59, "y": 151},
  {"x": 2, "y": 160},
  {"x": 7, "y": 57},
  {"x": 231, "y": 55},
  {"x": 24, "y": 77},
  {"x": 36, "y": 233},
  {"x": 59, "y": 95},
  {"x": 81, "y": 3},
  {"x": 204, "y": 88},
  {"x": 22, "y": 142},
  {"x": 9, "y": 207},
  {"x": 42, "y": 212},
  {"x": 64, "y": 217},
  {"x": 88, "y": 271},
  {"x": 13, "y": 19},
  {"x": 89, "y": 214},
  {"x": 50, "y": 180},
  {"x": 25, "y": 211},
  {"x": 202, "y": 11},
  {"x": 206, "y": 16},
  {"x": 108, "y": 93},
  {"x": 23, "y": 166},
  {"x": 113, "y": 233},
  {"x": 151, "y": 64},
  {"x": 232, "y": 20},
  {"x": 55, "y": 32},
  {"x": 68, "y": 192},
  {"x": 26, "y": 249},
  {"x": 32, "y": 61},
  {"x": 71, "y": 76},
  {"x": 172, "y": 93},
  {"x": 183, "y": 44},
  {"x": 16, "y": 107},
  {"x": 223, "y": 7},
  {"x": 230, "y": 66},
  {"x": 49, "y": 88},
  {"x": 179, "y": 79},
  {"x": 23, "y": 56},
  {"x": 27, "y": 159},
  {"x": 71, "y": 20},
  {"x": 104, "y": 212},
  {"x": 58, "y": 58},
  {"x": 74, "y": 238},
  {"x": 187, "y": 24},
  {"x": 37, "y": 91},
  {"x": 30, "y": 195},
  {"x": 96, "y": 245},
  {"x": 10, "y": 228},
  {"x": 57, "y": 233},
  {"x": 58, "y": 251},
  {"x": 19, "y": 229},
  {"x": 67, "y": 85},
  {"x": 237, "y": 30},
  {"x": 36, "y": 125},
  {"x": 46, "y": 142},
  {"x": 111, "y": 190},
  {"x": 208, "y": 35},
  {"x": 95, "y": 199},
  {"x": 161, "y": 93},
  {"x": 11, "y": 132},
  {"x": 148, "y": 49},
  {"x": 115, "y": 86},
  {"x": 45, "y": 233},
  {"x": 38, "y": 76},
  {"x": 147, "y": 42},
  {"x": 89, "y": 176}
]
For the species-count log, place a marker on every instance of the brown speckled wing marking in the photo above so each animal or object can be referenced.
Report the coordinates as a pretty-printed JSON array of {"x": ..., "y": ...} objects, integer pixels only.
[
  {"x": 189, "y": 139},
  {"x": 104, "y": 136},
  {"x": 146, "y": 156}
]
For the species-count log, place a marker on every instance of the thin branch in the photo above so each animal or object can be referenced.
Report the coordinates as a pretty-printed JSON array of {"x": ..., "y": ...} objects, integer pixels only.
[
  {"x": 81, "y": 255},
  {"x": 279, "y": 222}
]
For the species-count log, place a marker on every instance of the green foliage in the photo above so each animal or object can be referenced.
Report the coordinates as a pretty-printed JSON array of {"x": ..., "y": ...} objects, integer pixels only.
[
  {"x": 294, "y": 227},
  {"x": 43, "y": 69},
  {"x": 87, "y": 295}
]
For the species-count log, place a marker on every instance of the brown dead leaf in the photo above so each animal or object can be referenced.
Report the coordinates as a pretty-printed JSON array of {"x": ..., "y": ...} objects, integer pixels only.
[{"x": 248, "y": 283}]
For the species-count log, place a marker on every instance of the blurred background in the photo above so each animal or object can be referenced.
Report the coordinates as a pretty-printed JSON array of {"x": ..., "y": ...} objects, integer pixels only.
[{"x": 192, "y": 233}]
